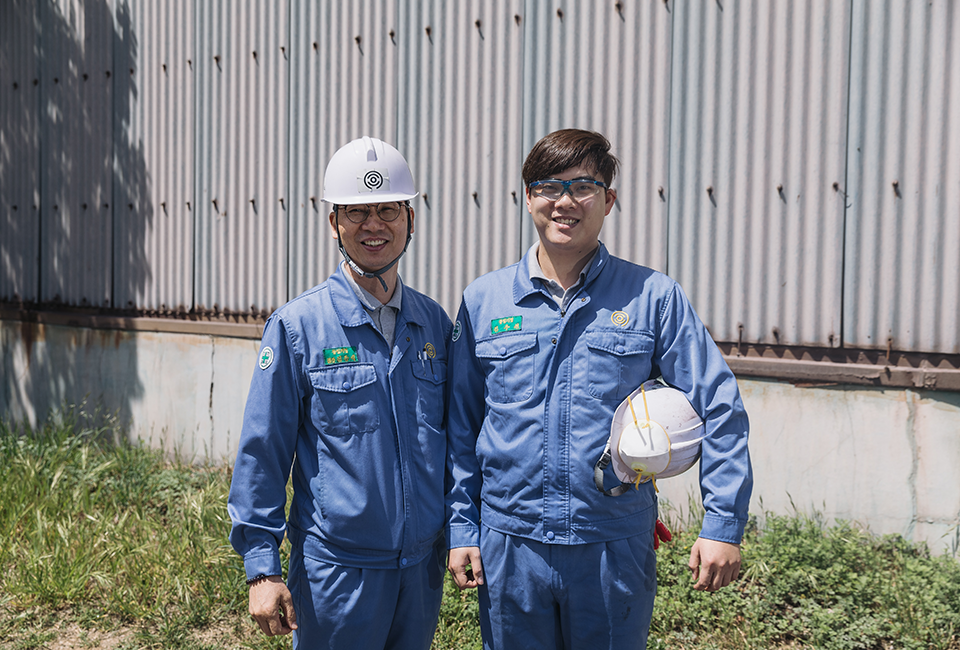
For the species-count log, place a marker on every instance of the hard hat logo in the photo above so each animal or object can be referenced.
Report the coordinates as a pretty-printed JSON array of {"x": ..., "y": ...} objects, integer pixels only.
[{"x": 374, "y": 180}]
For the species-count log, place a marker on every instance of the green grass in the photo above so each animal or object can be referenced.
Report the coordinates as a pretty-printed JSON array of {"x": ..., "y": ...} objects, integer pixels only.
[{"x": 108, "y": 543}]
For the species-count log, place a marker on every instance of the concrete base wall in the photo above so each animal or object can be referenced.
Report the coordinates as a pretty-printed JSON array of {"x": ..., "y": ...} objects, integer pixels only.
[
  {"x": 887, "y": 459},
  {"x": 184, "y": 392}
]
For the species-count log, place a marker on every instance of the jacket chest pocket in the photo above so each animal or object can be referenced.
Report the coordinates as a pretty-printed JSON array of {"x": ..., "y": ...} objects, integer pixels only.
[
  {"x": 431, "y": 377},
  {"x": 617, "y": 362},
  {"x": 345, "y": 399},
  {"x": 510, "y": 365}
]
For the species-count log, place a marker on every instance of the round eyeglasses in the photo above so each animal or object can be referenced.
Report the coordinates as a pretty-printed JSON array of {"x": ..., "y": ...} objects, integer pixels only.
[
  {"x": 386, "y": 211},
  {"x": 579, "y": 188}
]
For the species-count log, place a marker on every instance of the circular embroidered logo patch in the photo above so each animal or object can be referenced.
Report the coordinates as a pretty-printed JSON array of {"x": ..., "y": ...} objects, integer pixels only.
[
  {"x": 620, "y": 318},
  {"x": 456, "y": 331},
  {"x": 266, "y": 357},
  {"x": 430, "y": 350}
]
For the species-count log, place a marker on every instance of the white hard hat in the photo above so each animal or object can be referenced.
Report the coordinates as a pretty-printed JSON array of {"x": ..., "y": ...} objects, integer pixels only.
[
  {"x": 367, "y": 170},
  {"x": 658, "y": 437}
]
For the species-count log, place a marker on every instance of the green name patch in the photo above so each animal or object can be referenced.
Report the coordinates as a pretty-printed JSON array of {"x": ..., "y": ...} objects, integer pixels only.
[
  {"x": 333, "y": 356},
  {"x": 511, "y": 324}
]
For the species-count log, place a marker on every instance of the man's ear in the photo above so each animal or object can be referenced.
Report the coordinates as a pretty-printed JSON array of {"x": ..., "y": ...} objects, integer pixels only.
[
  {"x": 333, "y": 225},
  {"x": 610, "y": 199}
]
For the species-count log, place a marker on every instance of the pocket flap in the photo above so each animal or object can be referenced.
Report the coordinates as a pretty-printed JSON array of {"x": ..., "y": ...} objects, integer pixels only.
[
  {"x": 620, "y": 342},
  {"x": 343, "y": 379},
  {"x": 501, "y": 347}
]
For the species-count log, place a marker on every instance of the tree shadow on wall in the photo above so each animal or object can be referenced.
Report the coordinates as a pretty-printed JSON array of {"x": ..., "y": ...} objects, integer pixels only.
[{"x": 76, "y": 206}]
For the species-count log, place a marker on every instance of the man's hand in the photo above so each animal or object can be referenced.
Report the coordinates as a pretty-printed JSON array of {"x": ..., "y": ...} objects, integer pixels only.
[
  {"x": 714, "y": 564},
  {"x": 271, "y": 606},
  {"x": 458, "y": 561}
]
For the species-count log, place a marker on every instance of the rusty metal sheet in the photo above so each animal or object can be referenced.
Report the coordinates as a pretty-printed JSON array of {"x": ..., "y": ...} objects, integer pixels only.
[
  {"x": 758, "y": 135},
  {"x": 902, "y": 265},
  {"x": 459, "y": 126},
  {"x": 242, "y": 92},
  {"x": 76, "y": 152},
  {"x": 153, "y": 140},
  {"x": 19, "y": 152},
  {"x": 343, "y": 85}
]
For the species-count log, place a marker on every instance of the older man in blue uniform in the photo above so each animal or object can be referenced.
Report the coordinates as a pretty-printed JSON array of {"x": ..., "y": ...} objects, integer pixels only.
[
  {"x": 543, "y": 352},
  {"x": 349, "y": 396}
]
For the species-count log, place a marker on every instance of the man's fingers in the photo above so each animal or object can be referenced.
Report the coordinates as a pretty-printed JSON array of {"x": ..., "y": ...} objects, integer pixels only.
[
  {"x": 465, "y": 567},
  {"x": 287, "y": 613},
  {"x": 714, "y": 564},
  {"x": 271, "y": 606}
]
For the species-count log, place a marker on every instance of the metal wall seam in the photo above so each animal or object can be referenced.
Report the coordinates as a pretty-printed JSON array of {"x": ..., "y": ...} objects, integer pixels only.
[
  {"x": 242, "y": 111},
  {"x": 458, "y": 126},
  {"x": 153, "y": 144},
  {"x": 903, "y": 237},
  {"x": 343, "y": 86},
  {"x": 617, "y": 82},
  {"x": 76, "y": 90},
  {"x": 19, "y": 151},
  {"x": 757, "y": 157}
]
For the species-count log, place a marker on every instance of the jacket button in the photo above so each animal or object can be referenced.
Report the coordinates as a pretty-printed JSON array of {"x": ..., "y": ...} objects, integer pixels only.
[
  {"x": 550, "y": 534},
  {"x": 346, "y": 385},
  {"x": 619, "y": 349},
  {"x": 403, "y": 562},
  {"x": 503, "y": 351}
]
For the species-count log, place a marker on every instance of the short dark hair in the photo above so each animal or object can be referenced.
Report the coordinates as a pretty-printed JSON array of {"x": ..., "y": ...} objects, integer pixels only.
[{"x": 568, "y": 148}]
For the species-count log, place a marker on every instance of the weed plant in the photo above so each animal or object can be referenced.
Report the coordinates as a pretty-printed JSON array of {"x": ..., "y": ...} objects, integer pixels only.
[
  {"x": 101, "y": 536},
  {"x": 806, "y": 584}
]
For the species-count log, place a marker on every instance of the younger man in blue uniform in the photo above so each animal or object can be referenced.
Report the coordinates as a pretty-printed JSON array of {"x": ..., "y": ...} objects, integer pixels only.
[
  {"x": 349, "y": 394},
  {"x": 543, "y": 352}
]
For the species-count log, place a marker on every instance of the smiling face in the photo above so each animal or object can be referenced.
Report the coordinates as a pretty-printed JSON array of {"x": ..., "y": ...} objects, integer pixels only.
[
  {"x": 569, "y": 230},
  {"x": 374, "y": 243}
]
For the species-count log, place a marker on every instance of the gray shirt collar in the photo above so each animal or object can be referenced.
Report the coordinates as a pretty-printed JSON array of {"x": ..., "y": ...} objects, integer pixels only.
[
  {"x": 560, "y": 295},
  {"x": 384, "y": 316}
]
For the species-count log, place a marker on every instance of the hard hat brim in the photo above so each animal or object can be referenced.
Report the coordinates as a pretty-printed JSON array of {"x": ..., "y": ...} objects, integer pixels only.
[{"x": 371, "y": 198}]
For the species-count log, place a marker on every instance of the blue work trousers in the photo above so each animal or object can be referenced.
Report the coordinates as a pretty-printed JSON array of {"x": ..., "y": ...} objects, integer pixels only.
[
  {"x": 575, "y": 597},
  {"x": 348, "y": 608}
]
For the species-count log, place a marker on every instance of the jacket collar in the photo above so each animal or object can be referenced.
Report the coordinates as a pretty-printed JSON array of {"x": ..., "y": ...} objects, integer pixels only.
[
  {"x": 350, "y": 311},
  {"x": 523, "y": 286}
]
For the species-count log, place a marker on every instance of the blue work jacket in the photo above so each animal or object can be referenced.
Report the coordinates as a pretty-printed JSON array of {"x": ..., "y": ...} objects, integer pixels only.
[
  {"x": 533, "y": 390},
  {"x": 361, "y": 428}
]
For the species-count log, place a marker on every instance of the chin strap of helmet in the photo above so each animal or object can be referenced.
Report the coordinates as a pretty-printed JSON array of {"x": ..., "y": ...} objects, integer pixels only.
[
  {"x": 379, "y": 272},
  {"x": 601, "y": 465}
]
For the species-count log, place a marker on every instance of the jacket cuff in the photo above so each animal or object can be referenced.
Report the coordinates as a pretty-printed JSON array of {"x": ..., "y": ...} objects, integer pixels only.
[
  {"x": 262, "y": 564},
  {"x": 463, "y": 535},
  {"x": 722, "y": 529}
]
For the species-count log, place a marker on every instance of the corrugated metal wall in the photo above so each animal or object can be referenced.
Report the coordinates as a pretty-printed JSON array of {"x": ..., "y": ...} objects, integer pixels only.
[
  {"x": 153, "y": 136},
  {"x": 19, "y": 151},
  {"x": 902, "y": 254},
  {"x": 76, "y": 152},
  {"x": 794, "y": 164},
  {"x": 606, "y": 67},
  {"x": 343, "y": 85},
  {"x": 242, "y": 72},
  {"x": 459, "y": 100},
  {"x": 758, "y": 137}
]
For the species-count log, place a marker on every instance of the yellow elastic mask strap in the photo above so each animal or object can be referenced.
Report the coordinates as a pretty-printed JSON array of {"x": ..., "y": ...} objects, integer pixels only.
[{"x": 641, "y": 477}]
